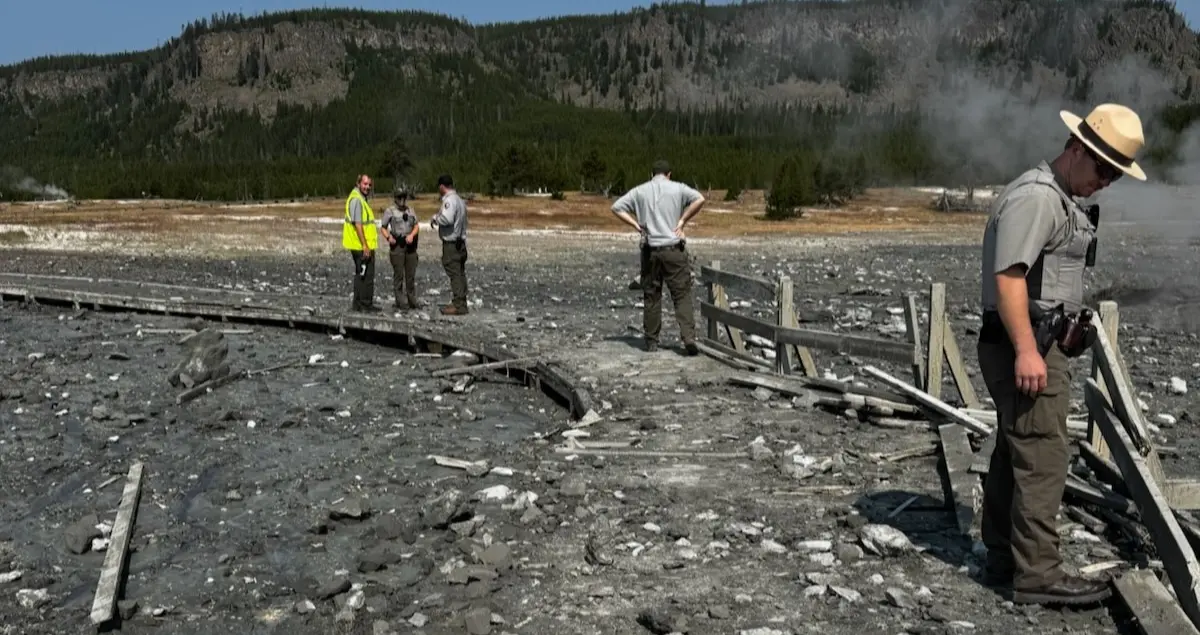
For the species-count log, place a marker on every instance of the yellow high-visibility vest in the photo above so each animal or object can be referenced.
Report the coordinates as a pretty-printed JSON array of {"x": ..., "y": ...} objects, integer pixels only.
[{"x": 349, "y": 235}]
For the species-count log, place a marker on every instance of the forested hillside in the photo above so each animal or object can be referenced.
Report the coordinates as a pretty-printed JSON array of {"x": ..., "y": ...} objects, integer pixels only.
[{"x": 860, "y": 92}]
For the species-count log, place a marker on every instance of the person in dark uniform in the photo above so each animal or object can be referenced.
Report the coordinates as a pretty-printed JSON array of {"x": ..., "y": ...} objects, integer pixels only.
[
  {"x": 1037, "y": 243},
  {"x": 451, "y": 225},
  {"x": 400, "y": 229}
]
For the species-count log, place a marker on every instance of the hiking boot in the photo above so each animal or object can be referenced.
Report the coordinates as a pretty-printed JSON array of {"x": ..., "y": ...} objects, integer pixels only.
[
  {"x": 450, "y": 309},
  {"x": 997, "y": 578},
  {"x": 1071, "y": 590},
  {"x": 651, "y": 346},
  {"x": 691, "y": 349},
  {"x": 413, "y": 303}
]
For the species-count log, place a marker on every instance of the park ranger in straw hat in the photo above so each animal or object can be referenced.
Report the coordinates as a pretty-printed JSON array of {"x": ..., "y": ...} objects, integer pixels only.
[{"x": 1037, "y": 243}]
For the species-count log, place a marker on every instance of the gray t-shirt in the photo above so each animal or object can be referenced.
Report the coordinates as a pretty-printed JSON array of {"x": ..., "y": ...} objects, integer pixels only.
[
  {"x": 356, "y": 210},
  {"x": 658, "y": 205},
  {"x": 399, "y": 222},
  {"x": 451, "y": 219},
  {"x": 1030, "y": 215}
]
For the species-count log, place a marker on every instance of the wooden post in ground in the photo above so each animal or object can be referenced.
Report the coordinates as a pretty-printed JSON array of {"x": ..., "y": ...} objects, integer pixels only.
[
  {"x": 912, "y": 321},
  {"x": 786, "y": 305},
  {"x": 713, "y": 288},
  {"x": 783, "y": 307},
  {"x": 721, "y": 301},
  {"x": 943, "y": 348},
  {"x": 937, "y": 338}
]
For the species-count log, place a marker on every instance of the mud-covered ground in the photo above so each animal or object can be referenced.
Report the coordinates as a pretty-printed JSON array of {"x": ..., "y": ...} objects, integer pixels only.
[{"x": 262, "y": 528}]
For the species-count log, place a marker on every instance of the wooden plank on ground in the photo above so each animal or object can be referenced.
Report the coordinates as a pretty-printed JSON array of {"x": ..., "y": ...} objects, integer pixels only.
[
  {"x": 983, "y": 459},
  {"x": 1169, "y": 540},
  {"x": 927, "y": 400},
  {"x": 1151, "y": 603},
  {"x": 960, "y": 485},
  {"x": 724, "y": 354},
  {"x": 937, "y": 335},
  {"x": 761, "y": 288},
  {"x": 740, "y": 322},
  {"x": 795, "y": 386},
  {"x": 1182, "y": 493},
  {"x": 887, "y": 350},
  {"x": 521, "y": 362},
  {"x": 912, "y": 320},
  {"x": 105, "y": 603},
  {"x": 201, "y": 389}
]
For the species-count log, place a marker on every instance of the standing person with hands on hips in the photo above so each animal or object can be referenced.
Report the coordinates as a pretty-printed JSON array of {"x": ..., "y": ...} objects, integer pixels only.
[
  {"x": 451, "y": 225},
  {"x": 360, "y": 237},
  {"x": 659, "y": 209},
  {"x": 1037, "y": 243}
]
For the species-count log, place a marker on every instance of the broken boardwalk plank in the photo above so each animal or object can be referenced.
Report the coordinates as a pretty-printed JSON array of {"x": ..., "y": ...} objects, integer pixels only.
[
  {"x": 1169, "y": 539},
  {"x": 105, "y": 603}
]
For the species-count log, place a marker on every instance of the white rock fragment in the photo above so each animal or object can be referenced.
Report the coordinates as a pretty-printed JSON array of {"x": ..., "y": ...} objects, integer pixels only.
[
  {"x": 816, "y": 590},
  {"x": 1178, "y": 386},
  {"x": 826, "y": 559},
  {"x": 31, "y": 599},
  {"x": 883, "y": 540},
  {"x": 1165, "y": 419},
  {"x": 814, "y": 545},
  {"x": 494, "y": 493},
  {"x": 847, "y": 594},
  {"x": 770, "y": 546},
  {"x": 11, "y": 576}
]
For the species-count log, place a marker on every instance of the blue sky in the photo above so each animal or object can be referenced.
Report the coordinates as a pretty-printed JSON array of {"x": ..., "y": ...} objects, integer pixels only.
[{"x": 29, "y": 29}]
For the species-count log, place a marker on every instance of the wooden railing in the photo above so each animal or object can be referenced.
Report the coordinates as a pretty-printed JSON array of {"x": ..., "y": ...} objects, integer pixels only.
[{"x": 794, "y": 345}]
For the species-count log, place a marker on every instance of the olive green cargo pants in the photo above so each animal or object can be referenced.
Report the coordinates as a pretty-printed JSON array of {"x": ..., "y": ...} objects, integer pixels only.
[
  {"x": 454, "y": 261},
  {"x": 668, "y": 265},
  {"x": 1028, "y": 470},
  {"x": 404, "y": 273}
]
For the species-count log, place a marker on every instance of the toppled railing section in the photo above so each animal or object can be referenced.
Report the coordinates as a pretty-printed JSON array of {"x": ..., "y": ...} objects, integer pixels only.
[{"x": 1116, "y": 481}]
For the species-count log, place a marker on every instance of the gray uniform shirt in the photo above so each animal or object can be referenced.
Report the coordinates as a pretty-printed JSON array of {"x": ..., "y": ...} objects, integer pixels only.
[
  {"x": 657, "y": 204},
  {"x": 356, "y": 210},
  {"x": 451, "y": 219},
  {"x": 399, "y": 222},
  {"x": 1035, "y": 223}
]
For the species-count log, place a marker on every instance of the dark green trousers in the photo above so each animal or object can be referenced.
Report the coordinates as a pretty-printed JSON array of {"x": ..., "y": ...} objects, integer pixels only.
[
  {"x": 454, "y": 261},
  {"x": 669, "y": 266},
  {"x": 404, "y": 273},
  {"x": 364, "y": 282},
  {"x": 1028, "y": 470}
]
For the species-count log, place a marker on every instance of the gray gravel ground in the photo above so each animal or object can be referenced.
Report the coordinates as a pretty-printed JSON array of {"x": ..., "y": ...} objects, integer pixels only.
[{"x": 256, "y": 529}]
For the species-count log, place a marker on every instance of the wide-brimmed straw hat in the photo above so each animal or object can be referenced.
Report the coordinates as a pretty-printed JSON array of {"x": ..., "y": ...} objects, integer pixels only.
[{"x": 1113, "y": 132}]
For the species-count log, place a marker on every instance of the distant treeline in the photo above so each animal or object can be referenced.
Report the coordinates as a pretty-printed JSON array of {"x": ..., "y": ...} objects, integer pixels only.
[{"x": 418, "y": 117}]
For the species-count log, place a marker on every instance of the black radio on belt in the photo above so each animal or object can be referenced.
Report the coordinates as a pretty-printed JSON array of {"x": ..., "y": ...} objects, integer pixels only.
[{"x": 1093, "y": 215}]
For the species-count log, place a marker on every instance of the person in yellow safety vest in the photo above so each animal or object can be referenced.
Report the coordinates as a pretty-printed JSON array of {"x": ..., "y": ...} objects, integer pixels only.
[{"x": 360, "y": 236}]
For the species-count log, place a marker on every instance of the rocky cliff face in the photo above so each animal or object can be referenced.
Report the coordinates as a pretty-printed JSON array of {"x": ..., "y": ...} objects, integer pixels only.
[{"x": 873, "y": 53}]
